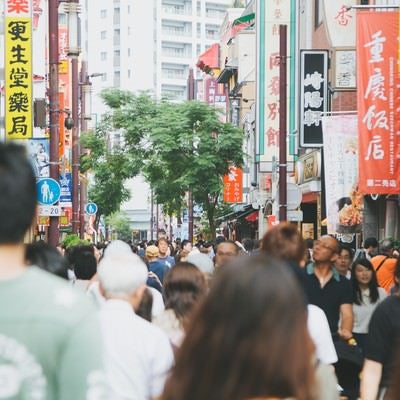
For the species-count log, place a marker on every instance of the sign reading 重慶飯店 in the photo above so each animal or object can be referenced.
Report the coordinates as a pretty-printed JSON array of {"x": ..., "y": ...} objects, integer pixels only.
[
  {"x": 378, "y": 100},
  {"x": 313, "y": 95},
  {"x": 18, "y": 69}
]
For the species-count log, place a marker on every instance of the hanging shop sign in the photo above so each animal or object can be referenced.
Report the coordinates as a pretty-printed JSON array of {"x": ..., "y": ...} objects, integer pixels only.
[
  {"x": 378, "y": 99},
  {"x": 344, "y": 69},
  {"x": 18, "y": 69},
  {"x": 343, "y": 200},
  {"x": 233, "y": 185},
  {"x": 313, "y": 95}
]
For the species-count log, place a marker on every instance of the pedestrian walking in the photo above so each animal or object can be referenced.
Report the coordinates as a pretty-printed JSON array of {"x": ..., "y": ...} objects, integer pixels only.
[
  {"x": 138, "y": 354},
  {"x": 45, "y": 324},
  {"x": 239, "y": 343}
]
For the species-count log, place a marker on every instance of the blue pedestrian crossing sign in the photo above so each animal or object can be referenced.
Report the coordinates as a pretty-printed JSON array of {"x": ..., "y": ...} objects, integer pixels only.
[
  {"x": 91, "y": 208},
  {"x": 48, "y": 191}
]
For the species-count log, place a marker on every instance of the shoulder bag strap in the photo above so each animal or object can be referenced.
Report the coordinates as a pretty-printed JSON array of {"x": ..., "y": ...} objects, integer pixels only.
[{"x": 380, "y": 265}]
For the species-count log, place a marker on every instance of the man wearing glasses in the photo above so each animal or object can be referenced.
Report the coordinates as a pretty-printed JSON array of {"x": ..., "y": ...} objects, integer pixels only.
[{"x": 327, "y": 289}]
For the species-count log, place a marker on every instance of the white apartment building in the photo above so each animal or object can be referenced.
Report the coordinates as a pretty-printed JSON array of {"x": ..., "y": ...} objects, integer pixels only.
[
  {"x": 184, "y": 30},
  {"x": 146, "y": 45}
]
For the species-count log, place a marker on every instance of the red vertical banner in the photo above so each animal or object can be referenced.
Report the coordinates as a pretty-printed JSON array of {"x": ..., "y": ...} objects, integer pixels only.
[
  {"x": 233, "y": 186},
  {"x": 378, "y": 102}
]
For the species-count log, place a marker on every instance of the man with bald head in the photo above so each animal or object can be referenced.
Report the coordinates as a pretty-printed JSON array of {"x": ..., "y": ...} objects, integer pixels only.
[{"x": 327, "y": 289}]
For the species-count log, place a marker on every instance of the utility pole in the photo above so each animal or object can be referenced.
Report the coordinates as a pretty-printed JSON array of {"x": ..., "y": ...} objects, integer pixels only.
[
  {"x": 190, "y": 196},
  {"x": 282, "y": 123},
  {"x": 83, "y": 80},
  {"x": 73, "y": 52},
  {"x": 53, "y": 110}
]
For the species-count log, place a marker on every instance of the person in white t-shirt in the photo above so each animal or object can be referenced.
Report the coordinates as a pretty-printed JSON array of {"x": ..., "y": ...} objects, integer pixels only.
[{"x": 138, "y": 355}]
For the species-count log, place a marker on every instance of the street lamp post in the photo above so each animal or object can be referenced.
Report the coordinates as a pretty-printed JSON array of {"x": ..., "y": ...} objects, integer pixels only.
[
  {"x": 53, "y": 109},
  {"x": 72, "y": 8}
]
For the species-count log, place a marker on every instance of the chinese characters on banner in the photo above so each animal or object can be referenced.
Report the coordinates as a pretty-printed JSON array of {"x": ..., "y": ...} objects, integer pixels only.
[
  {"x": 313, "y": 95},
  {"x": 378, "y": 102},
  {"x": 343, "y": 201},
  {"x": 18, "y": 69},
  {"x": 216, "y": 95},
  {"x": 277, "y": 13},
  {"x": 233, "y": 186},
  {"x": 340, "y": 22}
]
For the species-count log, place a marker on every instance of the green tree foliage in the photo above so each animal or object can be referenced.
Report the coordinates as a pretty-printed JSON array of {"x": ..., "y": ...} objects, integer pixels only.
[
  {"x": 120, "y": 225},
  {"x": 177, "y": 146}
]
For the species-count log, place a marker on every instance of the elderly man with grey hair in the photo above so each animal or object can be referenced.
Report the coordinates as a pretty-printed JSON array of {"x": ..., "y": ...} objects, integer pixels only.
[{"x": 138, "y": 355}]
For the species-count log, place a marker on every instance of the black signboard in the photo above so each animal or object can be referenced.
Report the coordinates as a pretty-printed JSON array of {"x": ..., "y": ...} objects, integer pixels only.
[{"x": 313, "y": 95}]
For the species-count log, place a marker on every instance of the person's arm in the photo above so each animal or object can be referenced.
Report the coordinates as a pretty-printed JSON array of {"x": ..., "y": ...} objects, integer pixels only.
[
  {"x": 370, "y": 378},
  {"x": 346, "y": 325}
]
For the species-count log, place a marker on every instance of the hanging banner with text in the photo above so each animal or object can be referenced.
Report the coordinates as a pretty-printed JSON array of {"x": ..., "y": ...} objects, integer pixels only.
[
  {"x": 233, "y": 186},
  {"x": 343, "y": 201},
  {"x": 378, "y": 102},
  {"x": 18, "y": 69},
  {"x": 313, "y": 95}
]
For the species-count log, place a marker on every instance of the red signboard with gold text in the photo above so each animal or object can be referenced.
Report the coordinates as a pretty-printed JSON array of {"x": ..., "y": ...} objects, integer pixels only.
[
  {"x": 378, "y": 102},
  {"x": 233, "y": 186}
]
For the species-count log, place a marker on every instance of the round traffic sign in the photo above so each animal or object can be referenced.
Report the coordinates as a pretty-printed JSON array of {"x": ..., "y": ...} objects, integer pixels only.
[
  {"x": 48, "y": 191},
  {"x": 91, "y": 208}
]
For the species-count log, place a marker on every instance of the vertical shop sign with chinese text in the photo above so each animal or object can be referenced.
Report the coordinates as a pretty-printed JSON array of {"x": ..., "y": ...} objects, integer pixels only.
[
  {"x": 233, "y": 186},
  {"x": 18, "y": 69},
  {"x": 378, "y": 102},
  {"x": 277, "y": 13},
  {"x": 313, "y": 95}
]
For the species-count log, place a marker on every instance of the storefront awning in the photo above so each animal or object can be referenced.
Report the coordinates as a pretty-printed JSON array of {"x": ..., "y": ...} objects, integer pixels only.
[
  {"x": 245, "y": 19},
  {"x": 209, "y": 59},
  {"x": 242, "y": 212},
  {"x": 227, "y": 73}
]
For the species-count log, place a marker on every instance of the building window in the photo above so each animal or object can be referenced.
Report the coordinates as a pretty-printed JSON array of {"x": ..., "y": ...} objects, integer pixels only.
[
  {"x": 103, "y": 14},
  {"x": 103, "y": 56},
  {"x": 129, "y": 30},
  {"x": 129, "y": 73},
  {"x": 103, "y": 35},
  {"x": 117, "y": 37},
  {"x": 198, "y": 28},
  {"x": 117, "y": 16},
  {"x": 104, "y": 77},
  {"x": 129, "y": 9},
  {"x": 129, "y": 52},
  {"x": 198, "y": 8},
  {"x": 198, "y": 49},
  {"x": 117, "y": 79},
  {"x": 364, "y": 2}
]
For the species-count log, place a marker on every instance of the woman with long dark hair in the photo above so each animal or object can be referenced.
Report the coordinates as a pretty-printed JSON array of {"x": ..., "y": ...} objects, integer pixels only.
[
  {"x": 366, "y": 296},
  {"x": 248, "y": 340},
  {"x": 184, "y": 288}
]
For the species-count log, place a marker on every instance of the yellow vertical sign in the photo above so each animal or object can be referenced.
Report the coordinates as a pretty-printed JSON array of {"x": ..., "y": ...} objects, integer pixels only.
[{"x": 18, "y": 71}]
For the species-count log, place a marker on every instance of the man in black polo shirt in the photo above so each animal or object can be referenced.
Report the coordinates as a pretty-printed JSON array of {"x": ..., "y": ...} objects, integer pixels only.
[{"x": 327, "y": 289}]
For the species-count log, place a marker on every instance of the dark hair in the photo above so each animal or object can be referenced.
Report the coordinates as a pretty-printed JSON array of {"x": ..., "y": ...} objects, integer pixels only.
[
  {"x": 145, "y": 305},
  {"x": 370, "y": 242},
  {"x": 372, "y": 285},
  {"x": 284, "y": 242},
  {"x": 82, "y": 260},
  {"x": 184, "y": 243},
  {"x": 347, "y": 248},
  {"x": 227, "y": 241},
  {"x": 253, "y": 316},
  {"x": 46, "y": 257},
  {"x": 17, "y": 193},
  {"x": 248, "y": 244},
  {"x": 184, "y": 286}
]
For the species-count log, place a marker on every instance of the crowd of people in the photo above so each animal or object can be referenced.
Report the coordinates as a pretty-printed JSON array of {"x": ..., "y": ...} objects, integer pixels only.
[{"x": 279, "y": 318}]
